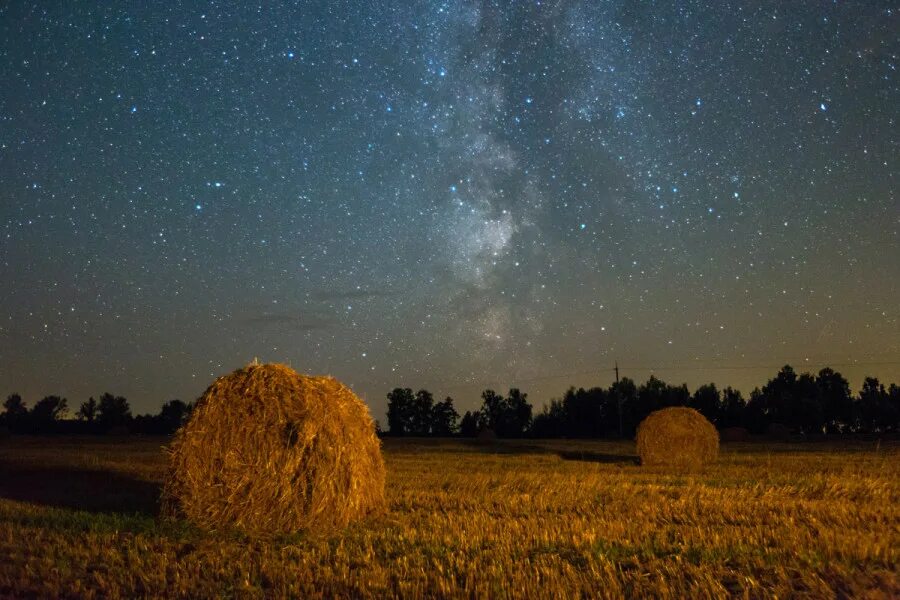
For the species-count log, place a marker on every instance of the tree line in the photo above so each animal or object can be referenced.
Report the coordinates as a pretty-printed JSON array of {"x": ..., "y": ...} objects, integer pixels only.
[
  {"x": 110, "y": 414},
  {"x": 805, "y": 404}
]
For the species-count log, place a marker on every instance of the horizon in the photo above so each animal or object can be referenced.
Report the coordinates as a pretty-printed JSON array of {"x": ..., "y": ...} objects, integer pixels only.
[{"x": 471, "y": 398}]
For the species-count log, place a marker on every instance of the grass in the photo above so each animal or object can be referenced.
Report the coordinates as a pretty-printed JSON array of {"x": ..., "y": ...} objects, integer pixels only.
[{"x": 78, "y": 518}]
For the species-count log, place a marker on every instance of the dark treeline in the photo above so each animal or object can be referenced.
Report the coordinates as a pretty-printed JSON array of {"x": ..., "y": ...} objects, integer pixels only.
[
  {"x": 109, "y": 415},
  {"x": 805, "y": 404}
]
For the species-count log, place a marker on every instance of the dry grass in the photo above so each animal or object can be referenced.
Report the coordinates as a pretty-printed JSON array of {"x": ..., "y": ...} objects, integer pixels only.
[
  {"x": 678, "y": 437},
  {"x": 269, "y": 451},
  {"x": 531, "y": 520}
]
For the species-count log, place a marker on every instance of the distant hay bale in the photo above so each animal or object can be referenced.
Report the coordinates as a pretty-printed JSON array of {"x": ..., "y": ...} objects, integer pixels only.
[
  {"x": 677, "y": 436},
  {"x": 117, "y": 431},
  {"x": 486, "y": 437},
  {"x": 734, "y": 434},
  {"x": 778, "y": 432},
  {"x": 268, "y": 451},
  {"x": 4, "y": 432}
]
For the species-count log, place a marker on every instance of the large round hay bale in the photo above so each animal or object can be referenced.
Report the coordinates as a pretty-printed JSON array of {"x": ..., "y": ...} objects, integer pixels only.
[
  {"x": 734, "y": 434},
  {"x": 778, "y": 432},
  {"x": 677, "y": 436},
  {"x": 4, "y": 432},
  {"x": 267, "y": 451}
]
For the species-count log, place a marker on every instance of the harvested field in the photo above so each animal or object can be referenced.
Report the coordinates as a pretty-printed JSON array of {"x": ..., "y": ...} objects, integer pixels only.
[{"x": 79, "y": 517}]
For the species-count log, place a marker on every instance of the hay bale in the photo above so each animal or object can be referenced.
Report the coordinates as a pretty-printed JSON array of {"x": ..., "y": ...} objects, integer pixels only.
[
  {"x": 4, "y": 432},
  {"x": 268, "y": 451},
  {"x": 486, "y": 437},
  {"x": 677, "y": 436},
  {"x": 734, "y": 434},
  {"x": 778, "y": 432}
]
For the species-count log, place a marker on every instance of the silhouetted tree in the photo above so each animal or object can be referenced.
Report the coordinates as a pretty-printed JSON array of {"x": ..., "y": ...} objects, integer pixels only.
[
  {"x": 173, "y": 415},
  {"x": 625, "y": 394},
  {"x": 493, "y": 410},
  {"x": 651, "y": 395},
  {"x": 113, "y": 411},
  {"x": 655, "y": 394},
  {"x": 550, "y": 422},
  {"x": 585, "y": 412},
  {"x": 87, "y": 411},
  {"x": 808, "y": 417},
  {"x": 876, "y": 412},
  {"x": 733, "y": 406},
  {"x": 15, "y": 413},
  {"x": 444, "y": 418},
  {"x": 894, "y": 399},
  {"x": 780, "y": 399},
  {"x": 518, "y": 414},
  {"x": 756, "y": 413},
  {"x": 836, "y": 400},
  {"x": 470, "y": 424},
  {"x": 47, "y": 410},
  {"x": 677, "y": 395},
  {"x": 399, "y": 410},
  {"x": 507, "y": 417},
  {"x": 707, "y": 401},
  {"x": 420, "y": 413}
]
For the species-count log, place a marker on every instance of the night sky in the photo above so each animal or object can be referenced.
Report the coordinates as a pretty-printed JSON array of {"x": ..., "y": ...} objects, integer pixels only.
[{"x": 451, "y": 195}]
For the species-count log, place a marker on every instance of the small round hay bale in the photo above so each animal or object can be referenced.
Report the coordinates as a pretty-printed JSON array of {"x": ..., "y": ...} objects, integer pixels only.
[
  {"x": 486, "y": 437},
  {"x": 269, "y": 451},
  {"x": 677, "y": 436},
  {"x": 778, "y": 432},
  {"x": 734, "y": 434}
]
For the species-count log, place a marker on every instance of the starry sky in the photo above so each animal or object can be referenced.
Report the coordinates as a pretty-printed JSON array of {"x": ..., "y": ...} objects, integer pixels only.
[{"x": 451, "y": 195}]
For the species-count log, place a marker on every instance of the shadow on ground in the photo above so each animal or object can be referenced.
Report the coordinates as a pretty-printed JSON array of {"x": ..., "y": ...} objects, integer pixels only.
[
  {"x": 578, "y": 455},
  {"x": 80, "y": 489}
]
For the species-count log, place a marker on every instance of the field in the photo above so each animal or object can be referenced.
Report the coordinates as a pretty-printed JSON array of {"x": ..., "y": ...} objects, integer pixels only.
[{"x": 519, "y": 519}]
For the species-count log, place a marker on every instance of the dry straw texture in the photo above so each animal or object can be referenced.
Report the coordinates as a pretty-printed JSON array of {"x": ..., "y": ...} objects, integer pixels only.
[
  {"x": 811, "y": 521},
  {"x": 677, "y": 436},
  {"x": 270, "y": 451}
]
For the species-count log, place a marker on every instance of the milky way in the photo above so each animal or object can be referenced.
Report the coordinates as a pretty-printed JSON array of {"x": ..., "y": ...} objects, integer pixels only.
[{"x": 452, "y": 195}]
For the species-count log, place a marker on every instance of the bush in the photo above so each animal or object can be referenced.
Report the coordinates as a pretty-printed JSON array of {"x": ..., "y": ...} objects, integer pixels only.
[
  {"x": 486, "y": 437},
  {"x": 734, "y": 434},
  {"x": 677, "y": 436},
  {"x": 778, "y": 432},
  {"x": 269, "y": 451}
]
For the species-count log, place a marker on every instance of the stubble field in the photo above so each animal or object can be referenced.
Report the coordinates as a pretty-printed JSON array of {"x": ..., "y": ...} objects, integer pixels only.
[{"x": 78, "y": 518}]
